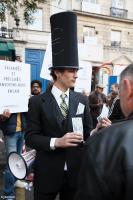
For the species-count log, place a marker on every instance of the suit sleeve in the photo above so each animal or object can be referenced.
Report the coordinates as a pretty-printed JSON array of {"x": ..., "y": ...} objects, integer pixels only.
[{"x": 33, "y": 136}]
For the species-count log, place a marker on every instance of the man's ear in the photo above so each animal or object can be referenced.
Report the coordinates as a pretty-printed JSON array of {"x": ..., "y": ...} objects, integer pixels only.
[
  {"x": 56, "y": 73},
  {"x": 128, "y": 88}
]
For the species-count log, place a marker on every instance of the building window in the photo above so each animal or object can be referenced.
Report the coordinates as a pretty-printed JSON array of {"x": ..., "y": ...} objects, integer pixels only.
[
  {"x": 115, "y": 38},
  {"x": 37, "y": 23},
  {"x": 89, "y": 35},
  {"x": 89, "y": 31},
  {"x": 117, "y": 9},
  {"x": 91, "y": 6},
  {"x": 118, "y": 4}
]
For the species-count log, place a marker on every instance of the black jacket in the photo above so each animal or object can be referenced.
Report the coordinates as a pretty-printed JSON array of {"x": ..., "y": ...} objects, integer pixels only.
[
  {"x": 107, "y": 170},
  {"x": 45, "y": 121},
  {"x": 8, "y": 126},
  {"x": 115, "y": 112}
]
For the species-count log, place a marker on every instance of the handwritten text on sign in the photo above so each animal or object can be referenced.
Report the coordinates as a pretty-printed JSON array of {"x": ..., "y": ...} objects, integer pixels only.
[{"x": 14, "y": 86}]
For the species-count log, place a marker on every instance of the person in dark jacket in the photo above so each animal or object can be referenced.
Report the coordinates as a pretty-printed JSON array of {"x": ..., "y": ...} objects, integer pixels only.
[
  {"x": 13, "y": 126},
  {"x": 113, "y": 94},
  {"x": 113, "y": 101},
  {"x": 96, "y": 100},
  {"x": 115, "y": 112},
  {"x": 107, "y": 168}
]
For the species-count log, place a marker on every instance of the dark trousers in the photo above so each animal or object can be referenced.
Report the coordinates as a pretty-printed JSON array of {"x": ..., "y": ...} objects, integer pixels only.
[{"x": 66, "y": 192}]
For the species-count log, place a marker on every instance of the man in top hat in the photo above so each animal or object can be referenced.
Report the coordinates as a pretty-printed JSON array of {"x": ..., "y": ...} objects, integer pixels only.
[
  {"x": 50, "y": 128},
  {"x": 96, "y": 100}
]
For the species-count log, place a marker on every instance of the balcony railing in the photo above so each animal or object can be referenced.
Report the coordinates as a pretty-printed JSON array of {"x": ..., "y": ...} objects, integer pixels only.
[
  {"x": 120, "y": 13},
  {"x": 6, "y": 33},
  {"x": 115, "y": 43}
]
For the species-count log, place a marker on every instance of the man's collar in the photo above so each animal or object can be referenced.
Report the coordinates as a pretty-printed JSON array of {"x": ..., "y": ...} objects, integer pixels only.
[{"x": 57, "y": 92}]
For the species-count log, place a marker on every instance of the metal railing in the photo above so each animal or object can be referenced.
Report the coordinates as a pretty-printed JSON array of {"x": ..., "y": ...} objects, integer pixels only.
[
  {"x": 6, "y": 33},
  {"x": 115, "y": 43},
  {"x": 117, "y": 12}
]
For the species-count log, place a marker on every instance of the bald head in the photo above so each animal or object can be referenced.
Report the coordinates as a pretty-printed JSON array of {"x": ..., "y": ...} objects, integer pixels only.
[{"x": 126, "y": 90}]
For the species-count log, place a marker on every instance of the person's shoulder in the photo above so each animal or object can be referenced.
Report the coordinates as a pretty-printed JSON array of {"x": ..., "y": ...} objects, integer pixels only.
[
  {"x": 37, "y": 98},
  {"x": 79, "y": 95},
  {"x": 40, "y": 96},
  {"x": 116, "y": 132},
  {"x": 110, "y": 144}
]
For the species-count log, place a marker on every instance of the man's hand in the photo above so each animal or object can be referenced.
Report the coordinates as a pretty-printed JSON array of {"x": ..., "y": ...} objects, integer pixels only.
[
  {"x": 71, "y": 139},
  {"x": 1, "y": 141},
  {"x": 103, "y": 123},
  {"x": 6, "y": 113}
]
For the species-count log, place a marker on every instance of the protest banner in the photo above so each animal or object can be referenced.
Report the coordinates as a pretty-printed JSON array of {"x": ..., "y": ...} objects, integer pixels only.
[
  {"x": 14, "y": 86},
  {"x": 47, "y": 62},
  {"x": 83, "y": 82}
]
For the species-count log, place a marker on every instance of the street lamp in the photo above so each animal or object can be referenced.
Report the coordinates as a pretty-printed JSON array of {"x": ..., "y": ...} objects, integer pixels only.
[{"x": 17, "y": 20}]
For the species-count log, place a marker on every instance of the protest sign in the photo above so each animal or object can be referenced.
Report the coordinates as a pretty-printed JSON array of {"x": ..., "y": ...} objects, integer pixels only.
[{"x": 14, "y": 86}]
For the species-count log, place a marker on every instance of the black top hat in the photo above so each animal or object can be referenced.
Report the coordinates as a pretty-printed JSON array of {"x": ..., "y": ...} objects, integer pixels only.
[{"x": 64, "y": 40}]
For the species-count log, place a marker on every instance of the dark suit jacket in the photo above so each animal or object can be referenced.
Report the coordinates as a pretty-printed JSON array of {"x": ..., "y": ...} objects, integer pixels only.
[
  {"x": 107, "y": 167},
  {"x": 45, "y": 121}
]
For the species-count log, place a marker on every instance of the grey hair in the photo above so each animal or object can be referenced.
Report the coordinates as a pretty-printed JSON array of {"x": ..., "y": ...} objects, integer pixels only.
[{"x": 128, "y": 71}]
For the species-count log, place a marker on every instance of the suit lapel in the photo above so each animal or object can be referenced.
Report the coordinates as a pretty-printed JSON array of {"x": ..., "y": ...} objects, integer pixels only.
[{"x": 52, "y": 111}]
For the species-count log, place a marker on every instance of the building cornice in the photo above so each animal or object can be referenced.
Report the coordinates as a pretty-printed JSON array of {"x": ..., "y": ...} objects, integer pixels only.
[{"x": 101, "y": 16}]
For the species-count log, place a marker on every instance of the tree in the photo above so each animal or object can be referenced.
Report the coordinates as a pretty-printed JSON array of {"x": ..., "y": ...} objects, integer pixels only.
[{"x": 12, "y": 6}]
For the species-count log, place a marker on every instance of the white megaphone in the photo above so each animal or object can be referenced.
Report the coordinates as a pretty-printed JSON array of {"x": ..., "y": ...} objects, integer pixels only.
[{"x": 19, "y": 164}]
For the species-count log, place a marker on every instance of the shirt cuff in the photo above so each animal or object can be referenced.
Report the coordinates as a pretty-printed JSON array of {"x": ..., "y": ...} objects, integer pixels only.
[
  {"x": 52, "y": 143},
  {"x": 93, "y": 131}
]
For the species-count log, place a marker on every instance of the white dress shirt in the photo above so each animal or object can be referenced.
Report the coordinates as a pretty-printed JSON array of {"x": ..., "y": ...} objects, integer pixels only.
[{"x": 57, "y": 93}]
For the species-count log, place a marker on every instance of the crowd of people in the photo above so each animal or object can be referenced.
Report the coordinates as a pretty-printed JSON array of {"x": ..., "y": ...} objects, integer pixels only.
[
  {"x": 13, "y": 126},
  {"x": 77, "y": 156},
  {"x": 59, "y": 144}
]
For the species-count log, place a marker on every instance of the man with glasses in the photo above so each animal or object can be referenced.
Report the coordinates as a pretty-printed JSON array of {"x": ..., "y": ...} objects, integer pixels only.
[{"x": 36, "y": 87}]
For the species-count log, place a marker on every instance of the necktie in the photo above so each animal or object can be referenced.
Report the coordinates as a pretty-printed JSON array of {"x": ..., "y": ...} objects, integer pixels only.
[{"x": 63, "y": 105}]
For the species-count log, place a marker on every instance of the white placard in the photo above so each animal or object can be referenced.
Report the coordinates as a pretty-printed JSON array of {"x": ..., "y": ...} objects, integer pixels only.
[
  {"x": 90, "y": 52},
  {"x": 118, "y": 69},
  {"x": 47, "y": 62},
  {"x": 83, "y": 81},
  {"x": 77, "y": 125},
  {"x": 14, "y": 86}
]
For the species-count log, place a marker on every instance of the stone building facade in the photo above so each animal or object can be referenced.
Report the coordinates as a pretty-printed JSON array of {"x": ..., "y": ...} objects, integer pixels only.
[{"x": 105, "y": 33}]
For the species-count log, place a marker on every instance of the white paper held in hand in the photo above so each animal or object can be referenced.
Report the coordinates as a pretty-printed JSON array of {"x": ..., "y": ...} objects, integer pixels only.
[
  {"x": 77, "y": 125},
  {"x": 104, "y": 113}
]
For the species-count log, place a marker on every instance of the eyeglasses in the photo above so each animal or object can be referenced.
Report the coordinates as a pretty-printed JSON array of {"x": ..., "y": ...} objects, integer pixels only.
[{"x": 35, "y": 86}]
